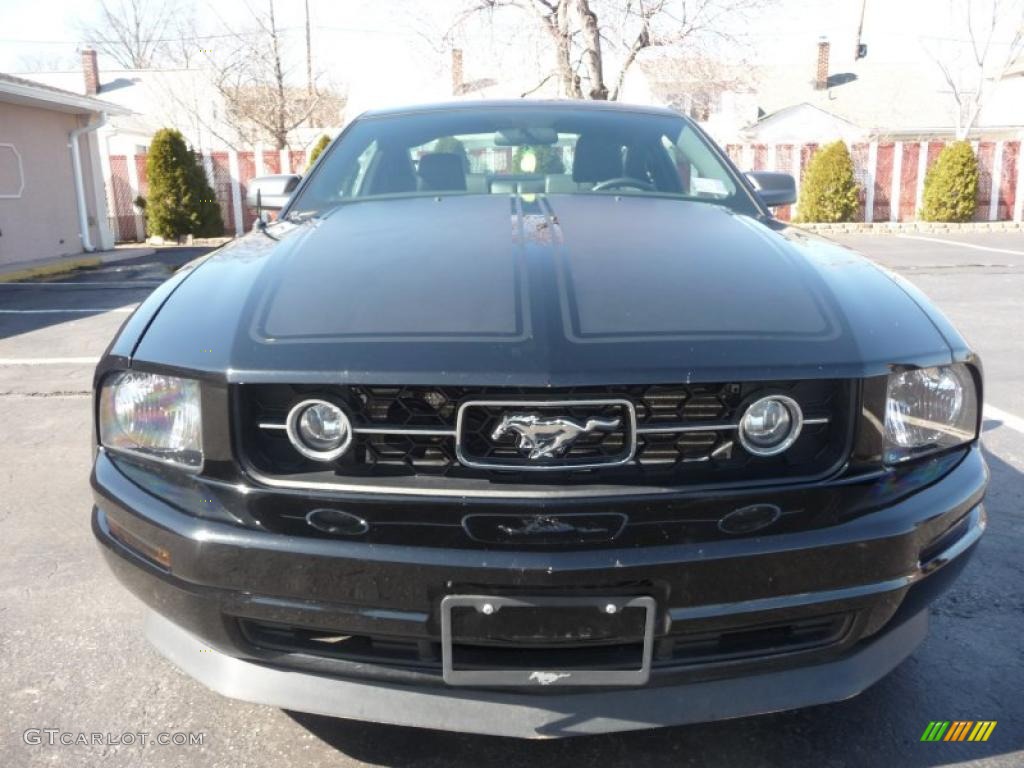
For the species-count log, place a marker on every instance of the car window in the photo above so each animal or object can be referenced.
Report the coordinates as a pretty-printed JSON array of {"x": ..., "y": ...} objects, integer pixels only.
[
  {"x": 503, "y": 151},
  {"x": 354, "y": 182},
  {"x": 700, "y": 174}
]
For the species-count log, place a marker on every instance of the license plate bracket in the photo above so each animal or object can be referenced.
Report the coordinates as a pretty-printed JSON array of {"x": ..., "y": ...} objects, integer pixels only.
[{"x": 535, "y": 676}]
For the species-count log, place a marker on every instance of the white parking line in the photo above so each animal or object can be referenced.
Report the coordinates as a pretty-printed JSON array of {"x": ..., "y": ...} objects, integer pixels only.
[
  {"x": 49, "y": 360},
  {"x": 91, "y": 311},
  {"x": 1007, "y": 419},
  {"x": 962, "y": 245},
  {"x": 123, "y": 284}
]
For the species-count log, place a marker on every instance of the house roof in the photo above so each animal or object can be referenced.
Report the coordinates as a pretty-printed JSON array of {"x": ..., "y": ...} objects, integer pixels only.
[
  {"x": 185, "y": 99},
  {"x": 879, "y": 97},
  {"x": 153, "y": 97},
  {"x": 793, "y": 108},
  {"x": 17, "y": 90}
]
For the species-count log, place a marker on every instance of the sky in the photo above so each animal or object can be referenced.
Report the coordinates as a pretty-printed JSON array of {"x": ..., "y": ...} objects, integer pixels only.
[{"x": 373, "y": 46}]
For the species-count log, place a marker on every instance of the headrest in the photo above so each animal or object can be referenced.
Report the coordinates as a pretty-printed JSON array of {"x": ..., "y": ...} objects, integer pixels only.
[
  {"x": 394, "y": 173},
  {"x": 596, "y": 158},
  {"x": 442, "y": 171}
]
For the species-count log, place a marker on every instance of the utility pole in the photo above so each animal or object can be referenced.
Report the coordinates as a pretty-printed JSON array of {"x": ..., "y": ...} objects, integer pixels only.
[
  {"x": 309, "y": 57},
  {"x": 861, "y": 50}
]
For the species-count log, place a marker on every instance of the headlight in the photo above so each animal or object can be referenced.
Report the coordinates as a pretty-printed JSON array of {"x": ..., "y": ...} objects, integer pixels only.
[
  {"x": 770, "y": 425},
  {"x": 153, "y": 416},
  {"x": 928, "y": 409},
  {"x": 319, "y": 430}
]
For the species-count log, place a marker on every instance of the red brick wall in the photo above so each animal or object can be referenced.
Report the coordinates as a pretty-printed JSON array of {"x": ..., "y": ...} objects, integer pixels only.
[
  {"x": 861, "y": 172},
  {"x": 908, "y": 181},
  {"x": 986, "y": 159},
  {"x": 760, "y": 157},
  {"x": 1008, "y": 179},
  {"x": 298, "y": 161},
  {"x": 784, "y": 164},
  {"x": 140, "y": 169},
  {"x": 883, "y": 181},
  {"x": 222, "y": 189},
  {"x": 246, "y": 173},
  {"x": 271, "y": 162},
  {"x": 119, "y": 205}
]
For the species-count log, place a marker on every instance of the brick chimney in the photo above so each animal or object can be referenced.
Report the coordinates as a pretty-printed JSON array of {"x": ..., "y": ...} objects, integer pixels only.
[
  {"x": 456, "y": 71},
  {"x": 91, "y": 72},
  {"x": 821, "y": 72}
]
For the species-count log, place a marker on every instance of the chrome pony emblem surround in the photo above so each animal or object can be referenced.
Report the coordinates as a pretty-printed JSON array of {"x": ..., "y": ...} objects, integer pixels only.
[{"x": 544, "y": 438}]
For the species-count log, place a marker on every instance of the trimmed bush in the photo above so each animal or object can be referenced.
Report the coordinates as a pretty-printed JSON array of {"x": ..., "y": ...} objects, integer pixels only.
[
  {"x": 180, "y": 200},
  {"x": 951, "y": 185},
  {"x": 318, "y": 148},
  {"x": 206, "y": 216},
  {"x": 449, "y": 144},
  {"x": 829, "y": 189}
]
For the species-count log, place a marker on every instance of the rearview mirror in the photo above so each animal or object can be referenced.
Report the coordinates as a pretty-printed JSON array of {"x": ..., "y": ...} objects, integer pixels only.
[
  {"x": 773, "y": 188},
  {"x": 521, "y": 137},
  {"x": 271, "y": 193}
]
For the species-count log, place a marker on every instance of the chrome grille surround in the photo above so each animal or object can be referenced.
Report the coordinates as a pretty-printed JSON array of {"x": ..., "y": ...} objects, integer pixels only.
[{"x": 469, "y": 430}]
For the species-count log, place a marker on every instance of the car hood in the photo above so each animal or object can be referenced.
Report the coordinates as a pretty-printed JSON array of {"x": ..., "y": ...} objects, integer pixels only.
[{"x": 538, "y": 291}]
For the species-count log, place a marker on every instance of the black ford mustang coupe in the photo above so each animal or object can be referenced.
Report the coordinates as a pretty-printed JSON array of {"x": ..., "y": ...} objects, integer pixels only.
[{"x": 529, "y": 419}]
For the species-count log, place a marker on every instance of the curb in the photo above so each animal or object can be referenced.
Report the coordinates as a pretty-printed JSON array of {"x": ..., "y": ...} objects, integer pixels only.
[
  {"x": 49, "y": 270},
  {"x": 123, "y": 254},
  {"x": 160, "y": 242},
  {"x": 895, "y": 228},
  {"x": 65, "y": 265}
]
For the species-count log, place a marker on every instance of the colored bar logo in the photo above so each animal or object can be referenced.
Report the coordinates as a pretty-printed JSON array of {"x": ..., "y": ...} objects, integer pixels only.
[{"x": 958, "y": 730}]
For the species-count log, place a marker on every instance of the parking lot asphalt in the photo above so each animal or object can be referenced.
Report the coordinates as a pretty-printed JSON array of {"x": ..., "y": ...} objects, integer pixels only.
[{"x": 72, "y": 656}]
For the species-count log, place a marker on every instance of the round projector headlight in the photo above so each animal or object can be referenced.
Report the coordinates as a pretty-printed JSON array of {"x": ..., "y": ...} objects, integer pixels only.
[
  {"x": 319, "y": 430},
  {"x": 770, "y": 425}
]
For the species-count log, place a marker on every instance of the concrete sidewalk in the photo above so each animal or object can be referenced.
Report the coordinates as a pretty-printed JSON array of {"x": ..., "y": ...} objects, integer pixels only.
[{"x": 26, "y": 270}]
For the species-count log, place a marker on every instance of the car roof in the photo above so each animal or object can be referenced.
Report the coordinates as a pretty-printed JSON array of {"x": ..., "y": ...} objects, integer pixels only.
[{"x": 486, "y": 104}]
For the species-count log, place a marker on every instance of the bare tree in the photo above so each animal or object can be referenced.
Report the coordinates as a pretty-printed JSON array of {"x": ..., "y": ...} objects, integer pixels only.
[
  {"x": 132, "y": 32},
  {"x": 186, "y": 47},
  {"x": 595, "y": 42},
  {"x": 693, "y": 83},
  {"x": 973, "y": 60},
  {"x": 253, "y": 73},
  {"x": 46, "y": 62}
]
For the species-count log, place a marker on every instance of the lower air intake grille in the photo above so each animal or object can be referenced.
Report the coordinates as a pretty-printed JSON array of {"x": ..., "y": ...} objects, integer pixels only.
[{"x": 676, "y": 650}]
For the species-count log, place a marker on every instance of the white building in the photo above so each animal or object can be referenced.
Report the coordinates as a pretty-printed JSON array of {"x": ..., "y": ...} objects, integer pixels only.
[{"x": 864, "y": 100}]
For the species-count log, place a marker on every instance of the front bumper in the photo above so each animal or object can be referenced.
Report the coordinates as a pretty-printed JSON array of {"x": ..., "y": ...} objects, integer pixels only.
[
  {"x": 522, "y": 715},
  {"x": 882, "y": 568}
]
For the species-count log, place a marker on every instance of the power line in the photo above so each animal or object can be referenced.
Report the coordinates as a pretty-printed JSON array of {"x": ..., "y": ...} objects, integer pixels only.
[{"x": 189, "y": 38}]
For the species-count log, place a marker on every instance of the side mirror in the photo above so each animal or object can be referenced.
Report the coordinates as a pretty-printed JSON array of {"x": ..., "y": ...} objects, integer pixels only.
[
  {"x": 773, "y": 188},
  {"x": 271, "y": 192}
]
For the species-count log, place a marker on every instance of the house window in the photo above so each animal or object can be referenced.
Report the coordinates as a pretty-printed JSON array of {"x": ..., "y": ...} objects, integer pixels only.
[{"x": 12, "y": 175}]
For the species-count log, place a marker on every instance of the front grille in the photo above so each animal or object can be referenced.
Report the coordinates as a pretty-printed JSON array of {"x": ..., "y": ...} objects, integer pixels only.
[
  {"x": 661, "y": 433},
  {"x": 687, "y": 649}
]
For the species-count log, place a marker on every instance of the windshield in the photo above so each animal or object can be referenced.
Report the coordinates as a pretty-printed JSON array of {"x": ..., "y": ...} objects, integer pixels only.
[{"x": 529, "y": 150}]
